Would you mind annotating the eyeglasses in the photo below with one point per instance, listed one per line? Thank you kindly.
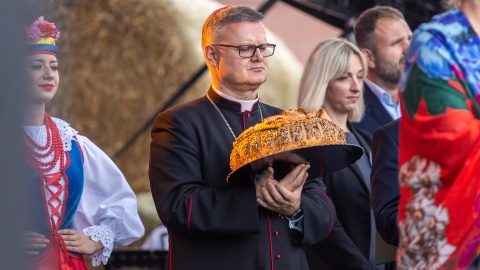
(248, 51)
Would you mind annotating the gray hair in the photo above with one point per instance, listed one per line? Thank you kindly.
(212, 30)
(330, 60)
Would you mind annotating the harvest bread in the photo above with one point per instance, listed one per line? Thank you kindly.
(294, 130)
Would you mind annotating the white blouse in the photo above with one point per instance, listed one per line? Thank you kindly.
(107, 210)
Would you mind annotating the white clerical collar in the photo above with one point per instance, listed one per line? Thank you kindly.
(246, 105)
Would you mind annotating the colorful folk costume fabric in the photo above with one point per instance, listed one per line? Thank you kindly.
(73, 184)
(439, 219)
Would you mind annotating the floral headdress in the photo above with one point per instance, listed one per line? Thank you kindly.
(41, 36)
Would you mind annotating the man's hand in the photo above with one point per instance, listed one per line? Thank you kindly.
(78, 242)
(283, 196)
(262, 181)
(296, 178)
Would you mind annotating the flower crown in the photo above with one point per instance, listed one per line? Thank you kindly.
(41, 36)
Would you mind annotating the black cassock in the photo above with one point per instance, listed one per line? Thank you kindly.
(212, 224)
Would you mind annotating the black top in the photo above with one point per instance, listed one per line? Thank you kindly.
(348, 247)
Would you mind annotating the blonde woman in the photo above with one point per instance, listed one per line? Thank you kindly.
(333, 80)
(330, 67)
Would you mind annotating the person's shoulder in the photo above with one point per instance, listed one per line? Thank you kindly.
(369, 122)
(66, 131)
(184, 116)
(443, 29)
(450, 18)
(369, 98)
(392, 126)
(187, 107)
(185, 110)
(68, 134)
(60, 122)
(389, 130)
(362, 132)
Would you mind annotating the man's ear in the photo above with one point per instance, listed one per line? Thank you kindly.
(211, 55)
(370, 58)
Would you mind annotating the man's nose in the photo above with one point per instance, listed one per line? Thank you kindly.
(406, 45)
(257, 55)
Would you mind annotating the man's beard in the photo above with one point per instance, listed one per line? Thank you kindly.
(390, 72)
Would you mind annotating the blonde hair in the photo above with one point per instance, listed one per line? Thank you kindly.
(330, 60)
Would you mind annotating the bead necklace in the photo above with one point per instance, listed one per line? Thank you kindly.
(54, 144)
(52, 182)
(225, 120)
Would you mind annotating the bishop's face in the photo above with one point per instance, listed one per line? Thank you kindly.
(238, 75)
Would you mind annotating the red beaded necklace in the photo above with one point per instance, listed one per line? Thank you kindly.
(54, 144)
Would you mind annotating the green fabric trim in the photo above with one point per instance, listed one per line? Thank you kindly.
(438, 94)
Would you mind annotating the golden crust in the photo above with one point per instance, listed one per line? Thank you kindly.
(290, 130)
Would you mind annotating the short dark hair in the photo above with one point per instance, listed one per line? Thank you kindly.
(213, 26)
(366, 23)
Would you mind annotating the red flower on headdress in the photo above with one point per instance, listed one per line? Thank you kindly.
(47, 28)
(42, 29)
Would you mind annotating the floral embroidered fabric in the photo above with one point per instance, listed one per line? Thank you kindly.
(439, 207)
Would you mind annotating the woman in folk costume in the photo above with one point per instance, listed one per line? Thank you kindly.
(81, 202)
(439, 210)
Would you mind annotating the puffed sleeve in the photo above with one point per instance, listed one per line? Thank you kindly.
(107, 211)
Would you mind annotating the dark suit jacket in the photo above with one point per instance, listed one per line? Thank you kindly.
(375, 114)
(385, 192)
(348, 246)
(213, 224)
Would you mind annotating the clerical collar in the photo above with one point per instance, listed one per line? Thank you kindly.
(245, 105)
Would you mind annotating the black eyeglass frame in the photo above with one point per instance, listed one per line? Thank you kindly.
(250, 46)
